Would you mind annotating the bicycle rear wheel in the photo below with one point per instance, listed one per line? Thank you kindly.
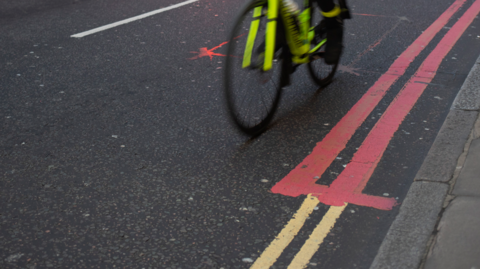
(252, 95)
(320, 72)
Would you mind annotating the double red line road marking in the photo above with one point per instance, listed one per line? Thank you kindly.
(348, 186)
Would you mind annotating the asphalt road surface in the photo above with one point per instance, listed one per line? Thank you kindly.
(116, 150)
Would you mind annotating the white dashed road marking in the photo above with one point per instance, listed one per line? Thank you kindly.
(139, 17)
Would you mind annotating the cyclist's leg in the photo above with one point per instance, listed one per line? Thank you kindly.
(334, 24)
(326, 5)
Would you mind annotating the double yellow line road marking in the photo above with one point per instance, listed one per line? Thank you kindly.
(275, 249)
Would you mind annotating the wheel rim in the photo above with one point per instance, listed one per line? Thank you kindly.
(252, 94)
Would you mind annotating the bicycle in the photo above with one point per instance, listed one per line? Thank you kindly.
(262, 45)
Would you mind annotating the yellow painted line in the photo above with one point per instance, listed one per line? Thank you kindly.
(316, 238)
(275, 249)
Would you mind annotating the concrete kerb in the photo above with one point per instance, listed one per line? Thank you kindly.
(469, 96)
(439, 165)
(408, 239)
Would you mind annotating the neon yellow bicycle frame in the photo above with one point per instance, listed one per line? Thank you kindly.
(298, 34)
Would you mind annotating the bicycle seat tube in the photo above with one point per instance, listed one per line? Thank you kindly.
(296, 32)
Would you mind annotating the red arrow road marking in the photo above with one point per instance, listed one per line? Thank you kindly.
(351, 182)
(204, 52)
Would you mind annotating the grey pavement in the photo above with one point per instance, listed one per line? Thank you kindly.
(438, 225)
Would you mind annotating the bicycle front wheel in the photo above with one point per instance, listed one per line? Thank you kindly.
(252, 94)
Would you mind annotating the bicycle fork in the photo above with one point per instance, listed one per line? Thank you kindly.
(272, 14)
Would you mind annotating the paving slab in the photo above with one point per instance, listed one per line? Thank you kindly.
(457, 244)
(405, 242)
(468, 182)
(442, 158)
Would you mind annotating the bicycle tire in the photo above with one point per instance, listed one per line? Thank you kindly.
(321, 73)
(252, 95)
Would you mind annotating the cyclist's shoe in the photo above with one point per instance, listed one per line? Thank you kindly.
(334, 46)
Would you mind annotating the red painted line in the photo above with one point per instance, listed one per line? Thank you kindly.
(302, 179)
(351, 182)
